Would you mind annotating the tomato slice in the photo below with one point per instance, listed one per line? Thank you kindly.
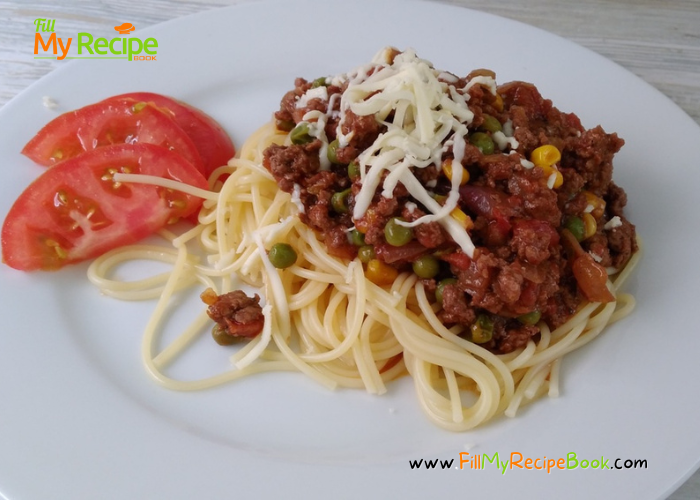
(75, 211)
(117, 121)
(212, 142)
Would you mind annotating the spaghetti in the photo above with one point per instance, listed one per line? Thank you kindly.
(324, 318)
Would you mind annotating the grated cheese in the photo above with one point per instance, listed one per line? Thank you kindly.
(313, 93)
(296, 198)
(503, 141)
(613, 223)
(526, 163)
(49, 102)
(428, 110)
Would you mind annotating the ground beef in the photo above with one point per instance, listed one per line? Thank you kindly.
(455, 309)
(616, 199)
(515, 338)
(574, 204)
(508, 284)
(292, 164)
(430, 234)
(622, 243)
(591, 156)
(287, 109)
(237, 314)
(518, 223)
(363, 130)
(534, 240)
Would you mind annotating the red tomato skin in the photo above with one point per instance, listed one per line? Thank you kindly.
(109, 122)
(38, 220)
(213, 143)
(458, 259)
(592, 279)
(400, 255)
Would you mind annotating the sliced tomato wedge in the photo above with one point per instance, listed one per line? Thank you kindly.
(76, 211)
(117, 121)
(212, 141)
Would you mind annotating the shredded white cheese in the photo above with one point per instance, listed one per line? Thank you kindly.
(487, 81)
(49, 102)
(526, 163)
(507, 128)
(613, 223)
(316, 122)
(426, 113)
(503, 141)
(296, 198)
(448, 77)
(313, 93)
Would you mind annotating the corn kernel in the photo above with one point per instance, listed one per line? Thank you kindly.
(464, 220)
(558, 177)
(380, 273)
(370, 218)
(589, 224)
(596, 204)
(447, 170)
(545, 155)
(498, 103)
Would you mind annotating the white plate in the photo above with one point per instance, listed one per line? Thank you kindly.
(79, 418)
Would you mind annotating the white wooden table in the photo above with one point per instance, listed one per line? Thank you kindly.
(657, 40)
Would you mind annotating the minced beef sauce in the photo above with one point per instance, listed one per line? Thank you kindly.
(523, 258)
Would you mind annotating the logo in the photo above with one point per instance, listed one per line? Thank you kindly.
(89, 47)
(125, 28)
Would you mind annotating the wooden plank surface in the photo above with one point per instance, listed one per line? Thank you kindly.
(657, 40)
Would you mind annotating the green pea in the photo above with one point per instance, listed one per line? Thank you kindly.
(441, 287)
(353, 170)
(282, 255)
(339, 201)
(491, 124)
(482, 329)
(426, 266)
(222, 337)
(576, 226)
(319, 82)
(356, 238)
(483, 142)
(332, 149)
(300, 134)
(366, 253)
(531, 318)
(397, 235)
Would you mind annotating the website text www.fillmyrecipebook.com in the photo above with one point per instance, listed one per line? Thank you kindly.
(516, 460)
